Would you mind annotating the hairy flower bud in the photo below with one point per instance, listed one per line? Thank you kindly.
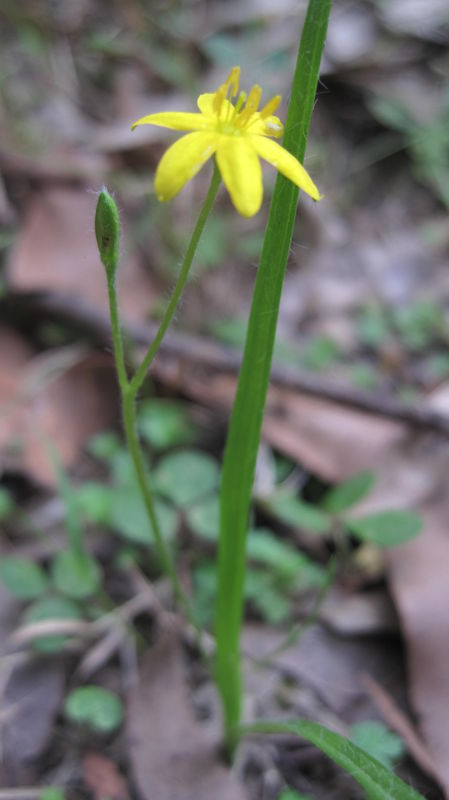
(107, 231)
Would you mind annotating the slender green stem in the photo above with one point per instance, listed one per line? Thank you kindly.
(116, 332)
(129, 422)
(246, 419)
(129, 388)
(132, 439)
(140, 375)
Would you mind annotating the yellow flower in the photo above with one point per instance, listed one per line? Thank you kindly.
(237, 134)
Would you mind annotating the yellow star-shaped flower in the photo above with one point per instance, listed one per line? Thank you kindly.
(237, 134)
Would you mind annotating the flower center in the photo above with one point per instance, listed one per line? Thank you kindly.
(232, 119)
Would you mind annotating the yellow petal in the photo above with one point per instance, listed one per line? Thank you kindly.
(270, 126)
(205, 104)
(176, 120)
(181, 162)
(285, 163)
(241, 172)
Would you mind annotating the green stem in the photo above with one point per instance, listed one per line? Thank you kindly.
(129, 422)
(140, 375)
(129, 389)
(246, 419)
(132, 439)
(116, 332)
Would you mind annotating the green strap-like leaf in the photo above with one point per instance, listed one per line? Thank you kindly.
(246, 421)
(378, 781)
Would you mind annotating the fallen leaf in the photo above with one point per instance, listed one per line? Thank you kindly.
(359, 613)
(418, 580)
(30, 704)
(63, 396)
(316, 433)
(332, 666)
(399, 722)
(103, 778)
(56, 251)
(172, 756)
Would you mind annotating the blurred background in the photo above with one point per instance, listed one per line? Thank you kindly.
(361, 375)
(365, 291)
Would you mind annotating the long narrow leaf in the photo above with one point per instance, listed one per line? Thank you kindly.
(378, 781)
(246, 420)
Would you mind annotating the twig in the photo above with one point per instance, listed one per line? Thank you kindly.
(212, 355)
(23, 793)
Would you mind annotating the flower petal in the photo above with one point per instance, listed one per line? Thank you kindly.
(182, 161)
(205, 104)
(176, 120)
(241, 172)
(280, 158)
(270, 126)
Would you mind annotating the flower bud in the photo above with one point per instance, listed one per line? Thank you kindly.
(107, 231)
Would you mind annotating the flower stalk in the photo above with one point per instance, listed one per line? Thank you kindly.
(107, 230)
(246, 419)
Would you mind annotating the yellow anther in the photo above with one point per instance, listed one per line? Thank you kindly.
(252, 103)
(271, 106)
(241, 99)
(233, 81)
(219, 97)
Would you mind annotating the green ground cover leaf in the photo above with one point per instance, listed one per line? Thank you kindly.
(186, 476)
(76, 575)
(51, 608)
(23, 578)
(348, 493)
(386, 528)
(296, 512)
(95, 707)
(378, 741)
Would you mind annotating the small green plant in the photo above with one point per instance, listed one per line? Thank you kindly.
(378, 741)
(231, 128)
(95, 707)
(290, 794)
(52, 793)
(65, 590)
(334, 515)
(427, 142)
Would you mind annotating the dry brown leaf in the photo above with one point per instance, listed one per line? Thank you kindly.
(63, 396)
(56, 251)
(30, 704)
(399, 722)
(103, 778)
(316, 433)
(172, 756)
(313, 432)
(418, 575)
(359, 613)
(332, 665)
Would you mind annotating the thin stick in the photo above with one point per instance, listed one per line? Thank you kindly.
(207, 354)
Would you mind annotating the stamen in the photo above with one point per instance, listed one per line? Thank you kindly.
(241, 99)
(228, 89)
(233, 81)
(271, 106)
(251, 106)
(219, 97)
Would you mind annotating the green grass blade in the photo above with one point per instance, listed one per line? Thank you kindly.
(378, 781)
(246, 420)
